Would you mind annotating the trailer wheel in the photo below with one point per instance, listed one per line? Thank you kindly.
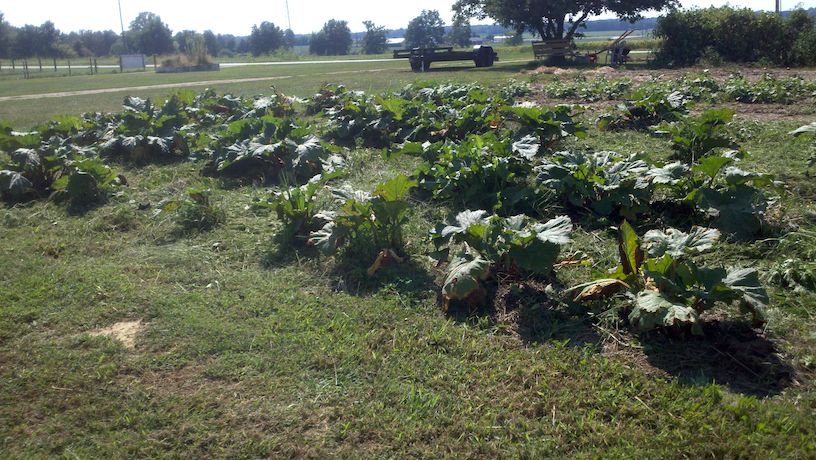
(488, 60)
(484, 57)
(417, 66)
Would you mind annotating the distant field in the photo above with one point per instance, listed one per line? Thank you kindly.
(80, 67)
(300, 79)
(295, 79)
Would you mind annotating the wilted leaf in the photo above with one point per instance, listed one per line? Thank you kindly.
(806, 129)
(600, 289)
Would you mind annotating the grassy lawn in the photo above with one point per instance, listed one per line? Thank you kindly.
(246, 348)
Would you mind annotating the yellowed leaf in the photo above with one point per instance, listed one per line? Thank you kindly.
(600, 290)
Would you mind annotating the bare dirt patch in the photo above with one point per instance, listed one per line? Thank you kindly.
(750, 73)
(125, 332)
(550, 70)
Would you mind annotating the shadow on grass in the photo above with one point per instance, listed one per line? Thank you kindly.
(409, 276)
(349, 268)
(731, 354)
(465, 66)
(525, 309)
(285, 248)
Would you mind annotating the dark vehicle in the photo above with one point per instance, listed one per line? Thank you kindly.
(421, 58)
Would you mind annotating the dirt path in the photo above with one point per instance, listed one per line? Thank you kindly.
(88, 92)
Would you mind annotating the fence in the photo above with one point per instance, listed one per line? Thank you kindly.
(38, 67)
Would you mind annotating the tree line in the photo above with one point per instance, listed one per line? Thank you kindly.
(148, 34)
(548, 19)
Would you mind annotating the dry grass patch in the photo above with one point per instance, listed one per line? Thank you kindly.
(124, 332)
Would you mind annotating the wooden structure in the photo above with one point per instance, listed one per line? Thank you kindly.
(421, 58)
(557, 48)
(618, 58)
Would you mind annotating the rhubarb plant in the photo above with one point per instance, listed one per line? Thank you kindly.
(666, 288)
(483, 245)
(606, 183)
(373, 220)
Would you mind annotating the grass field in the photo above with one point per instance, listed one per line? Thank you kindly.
(296, 79)
(244, 349)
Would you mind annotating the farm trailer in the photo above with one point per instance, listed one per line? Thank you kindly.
(421, 58)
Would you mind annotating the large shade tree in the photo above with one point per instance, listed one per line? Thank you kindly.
(374, 41)
(425, 31)
(333, 40)
(149, 35)
(460, 32)
(554, 19)
(265, 38)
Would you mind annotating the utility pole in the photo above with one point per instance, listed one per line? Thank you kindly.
(289, 18)
(122, 25)
(778, 6)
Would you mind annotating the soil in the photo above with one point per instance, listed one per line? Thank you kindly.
(751, 73)
(124, 332)
(802, 111)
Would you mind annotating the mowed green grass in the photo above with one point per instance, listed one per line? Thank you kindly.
(249, 349)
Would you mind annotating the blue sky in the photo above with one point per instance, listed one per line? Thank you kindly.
(238, 16)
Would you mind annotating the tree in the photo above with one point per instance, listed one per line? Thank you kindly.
(227, 43)
(333, 40)
(183, 38)
(87, 43)
(149, 35)
(289, 39)
(460, 32)
(265, 39)
(211, 42)
(425, 31)
(40, 41)
(554, 19)
(6, 37)
(374, 41)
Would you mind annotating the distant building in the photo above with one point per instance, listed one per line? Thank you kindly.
(476, 41)
(395, 42)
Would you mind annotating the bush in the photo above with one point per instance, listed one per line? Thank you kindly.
(804, 50)
(736, 35)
